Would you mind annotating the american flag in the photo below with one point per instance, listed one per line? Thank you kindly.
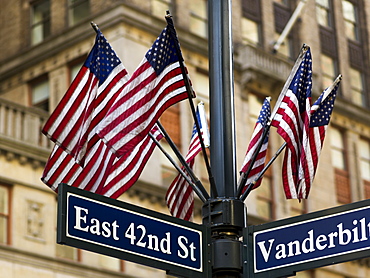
(157, 84)
(292, 120)
(321, 112)
(258, 131)
(72, 124)
(103, 172)
(125, 172)
(180, 196)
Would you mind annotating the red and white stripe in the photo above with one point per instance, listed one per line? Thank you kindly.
(293, 127)
(180, 195)
(140, 105)
(83, 106)
(259, 162)
(125, 172)
(103, 172)
(322, 108)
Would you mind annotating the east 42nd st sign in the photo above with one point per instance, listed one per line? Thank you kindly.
(106, 226)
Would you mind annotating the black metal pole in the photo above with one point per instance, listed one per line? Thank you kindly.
(223, 159)
(224, 213)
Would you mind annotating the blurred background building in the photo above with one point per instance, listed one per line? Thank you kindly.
(44, 43)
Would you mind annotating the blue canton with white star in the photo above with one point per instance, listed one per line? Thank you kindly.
(195, 132)
(321, 116)
(163, 52)
(264, 116)
(265, 113)
(301, 84)
(102, 59)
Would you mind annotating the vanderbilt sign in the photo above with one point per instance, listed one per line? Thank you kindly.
(312, 240)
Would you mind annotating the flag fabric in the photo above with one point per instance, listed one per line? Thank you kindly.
(156, 84)
(80, 158)
(103, 172)
(258, 131)
(292, 120)
(87, 100)
(321, 112)
(124, 173)
(180, 196)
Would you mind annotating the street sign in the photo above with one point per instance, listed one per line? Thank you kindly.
(96, 223)
(309, 241)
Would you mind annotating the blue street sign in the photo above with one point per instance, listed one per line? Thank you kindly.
(96, 223)
(310, 241)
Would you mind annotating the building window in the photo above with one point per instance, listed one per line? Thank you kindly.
(40, 94)
(40, 21)
(159, 7)
(251, 22)
(328, 40)
(4, 214)
(200, 84)
(365, 159)
(78, 10)
(170, 120)
(285, 48)
(357, 87)
(198, 17)
(328, 69)
(282, 14)
(338, 158)
(364, 151)
(282, 2)
(323, 13)
(350, 20)
(250, 31)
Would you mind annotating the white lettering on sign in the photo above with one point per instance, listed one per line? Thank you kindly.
(184, 252)
(94, 226)
(136, 234)
(342, 236)
(265, 253)
(139, 237)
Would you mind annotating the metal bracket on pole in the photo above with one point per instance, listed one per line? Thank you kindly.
(227, 218)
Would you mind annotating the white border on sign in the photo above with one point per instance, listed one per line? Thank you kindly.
(200, 269)
(300, 223)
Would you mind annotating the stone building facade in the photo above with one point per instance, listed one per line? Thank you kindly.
(44, 42)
